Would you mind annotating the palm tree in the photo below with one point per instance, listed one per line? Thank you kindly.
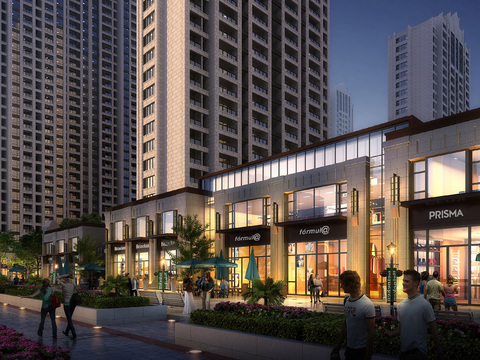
(270, 292)
(119, 284)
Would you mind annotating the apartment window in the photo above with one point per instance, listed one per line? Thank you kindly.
(149, 91)
(149, 127)
(147, 39)
(476, 170)
(401, 56)
(401, 84)
(149, 182)
(149, 109)
(401, 102)
(148, 146)
(141, 226)
(149, 19)
(148, 164)
(401, 93)
(147, 4)
(402, 65)
(149, 73)
(401, 38)
(401, 74)
(401, 111)
(401, 47)
(149, 55)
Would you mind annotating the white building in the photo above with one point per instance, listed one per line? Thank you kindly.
(341, 111)
(429, 70)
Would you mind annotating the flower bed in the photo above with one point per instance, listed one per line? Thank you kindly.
(13, 345)
(459, 340)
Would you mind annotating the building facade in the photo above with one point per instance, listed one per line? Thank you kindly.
(341, 111)
(429, 70)
(222, 83)
(333, 206)
(68, 109)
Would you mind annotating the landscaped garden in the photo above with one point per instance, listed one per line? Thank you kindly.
(459, 340)
(13, 345)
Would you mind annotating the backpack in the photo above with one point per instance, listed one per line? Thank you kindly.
(201, 283)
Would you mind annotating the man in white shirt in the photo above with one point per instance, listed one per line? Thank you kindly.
(359, 324)
(415, 315)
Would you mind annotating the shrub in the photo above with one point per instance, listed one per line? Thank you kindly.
(3, 279)
(34, 280)
(289, 312)
(270, 291)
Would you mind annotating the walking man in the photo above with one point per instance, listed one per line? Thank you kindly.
(359, 324)
(434, 288)
(415, 316)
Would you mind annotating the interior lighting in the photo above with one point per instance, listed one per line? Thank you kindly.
(195, 351)
(57, 316)
(171, 320)
(5, 304)
(97, 327)
(22, 308)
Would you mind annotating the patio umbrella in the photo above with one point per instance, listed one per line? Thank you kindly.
(222, 271)
(66, 266)
(252, 268)
(60, 267)
(16, 269)
(91, 267)
(189, 264)
(216, 262)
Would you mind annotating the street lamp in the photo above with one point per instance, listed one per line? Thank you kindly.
(163, 275)
(391, 249)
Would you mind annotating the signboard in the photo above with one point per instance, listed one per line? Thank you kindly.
(391, 285)
(248, 238)
(162, 279)
(458, 213)
(322, 231)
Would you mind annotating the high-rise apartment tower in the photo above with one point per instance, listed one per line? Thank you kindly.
(225, 82)
(68, 109)
(429, 70)
(341, 111)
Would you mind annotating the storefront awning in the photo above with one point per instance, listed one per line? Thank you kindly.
(313, 221)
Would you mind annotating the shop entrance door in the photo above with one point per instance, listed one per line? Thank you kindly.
(452, 261)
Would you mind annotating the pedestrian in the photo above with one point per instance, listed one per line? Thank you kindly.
(207, 289)
(223, 288)
(415, 317)
(198, 286)
(129, 284)
(188, 289)
(359, 323)
(434, 288)
(15, 280)
(423, 281)
(450, 289)
(10, 280)
(317, 287)
(68, 289)
(101, 281)
(310, 287)
(46, 291)
(134, 286)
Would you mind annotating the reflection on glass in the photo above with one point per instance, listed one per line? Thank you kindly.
(340, 150)
(446, 174)
(119, 230)
(291, 163)
(330, 154)
(310, 160)
(141, 226)
(351, 149)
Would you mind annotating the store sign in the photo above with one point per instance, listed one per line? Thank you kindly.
(141, 246)
(258, 237)
(458, 214)
(119, 248)
(332, 230)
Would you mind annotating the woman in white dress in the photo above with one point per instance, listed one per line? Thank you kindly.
(188, 289)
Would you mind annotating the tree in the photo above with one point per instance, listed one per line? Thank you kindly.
(7, 247)
(191, 242)
(29, 250)
(118, 283)
(87, 252)
(270, 292)
(92, 218)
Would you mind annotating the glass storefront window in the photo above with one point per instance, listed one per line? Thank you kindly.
(141, 263)
(168, 220)
(119, 265)
(310, 203)
(141, 226)
(446, 174)
(240, 256)
(249, 213)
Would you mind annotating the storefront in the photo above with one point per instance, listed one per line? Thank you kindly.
(446, 238)
(239, 245)
(316, 247)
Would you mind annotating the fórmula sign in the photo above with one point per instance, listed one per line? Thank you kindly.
(444, 214)
(324, 230)
(254, 237)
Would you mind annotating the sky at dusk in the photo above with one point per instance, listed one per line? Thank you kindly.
(358, 47)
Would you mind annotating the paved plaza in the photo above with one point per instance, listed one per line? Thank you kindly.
(144, 340)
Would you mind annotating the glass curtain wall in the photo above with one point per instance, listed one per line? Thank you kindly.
(240, 256)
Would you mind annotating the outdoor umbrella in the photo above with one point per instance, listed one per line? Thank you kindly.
(91, 267)
(66, 266)
(60, 267)
(216, 262)
(252, 268)
(189, 264)
(222, 271)
(16, 269)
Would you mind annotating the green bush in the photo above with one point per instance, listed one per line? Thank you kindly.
(97, 302)
(3, 279)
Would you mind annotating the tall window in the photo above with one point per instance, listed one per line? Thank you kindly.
(446, 174)
(316, 202)
(476, 170)
(167, 220)
(141, 226)
(248, 213)
(119, 231)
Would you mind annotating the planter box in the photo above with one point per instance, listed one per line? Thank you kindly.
(240, 345)
(92, 316)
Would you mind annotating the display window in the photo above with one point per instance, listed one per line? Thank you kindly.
(119, 265)
(327, 258)
(248, 213)
(141, 263)
(451, 251)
